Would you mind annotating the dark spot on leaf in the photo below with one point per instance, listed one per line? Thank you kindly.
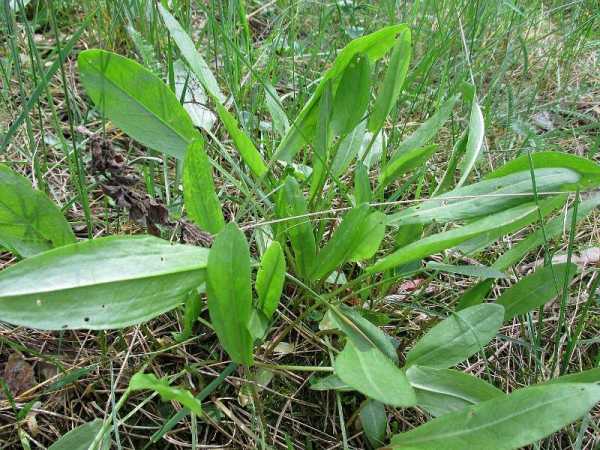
(87, 319)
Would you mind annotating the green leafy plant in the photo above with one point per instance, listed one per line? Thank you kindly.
(115, 282)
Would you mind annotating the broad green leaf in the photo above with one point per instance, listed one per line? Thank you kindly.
(137, 101)
(457, 337)
(320, 159)
(292, 203)
(243, 143)
(392, 81)
(504, 423)
(362, 332)
(190, 55)
(352, 95)
(551, 229)
(229, 292)
(29, 222)
(330, 382)
(422, 135)
(483, 272)
(201, 201)
(485, 197)
(588, 170)
(546, 205)
(270, 278)
(348, 149)
(374, 421)
(437, 242)
(442, 391)
(585, 376)
(512, 256)
(357, 237)
(535, 289)
(373, 45)
(141, 381)
(373, 374)
(406, 161)
(104, 283)
(474, 141)
(81, 437)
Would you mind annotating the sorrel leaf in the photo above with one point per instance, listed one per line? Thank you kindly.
(504, 423)
(137, 101)
(229, 291)
(457, 337)
(29, 222)
(201, 201)
(104, 283)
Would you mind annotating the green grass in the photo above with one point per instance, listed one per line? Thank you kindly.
(534, 66)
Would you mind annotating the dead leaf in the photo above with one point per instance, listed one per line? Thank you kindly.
(18, 374)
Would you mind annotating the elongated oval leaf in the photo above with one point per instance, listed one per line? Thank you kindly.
(103, 283)
(352, 95)
(357, 237)
(361, 332)
(585, 376)
(29, 222)
(229, 291)
(485, 197)
(374, 45)
(535, 289)
(137, 101)
(190, 55)
(442, 391)
(370, 372)
(292, 203)
(199, 194)
(458, 337)
(80, 438)
(523, 214)
(588, 170)
(141, 381)
(474, 141)
(270, 278)
(374, 421)
(392, 82)
(504, 423)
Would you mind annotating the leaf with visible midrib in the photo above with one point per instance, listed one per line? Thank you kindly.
(372, 373)
(137, 101)
(504, 423)
(474, 141)
(29, 222)
(104, 283)
(199, 195)
(229, 292)
(458, 337)
(442, 391)
(535, 289)
(270, 279)
(357, 237)
(392, 82)
(81, 437)
(523, 214)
